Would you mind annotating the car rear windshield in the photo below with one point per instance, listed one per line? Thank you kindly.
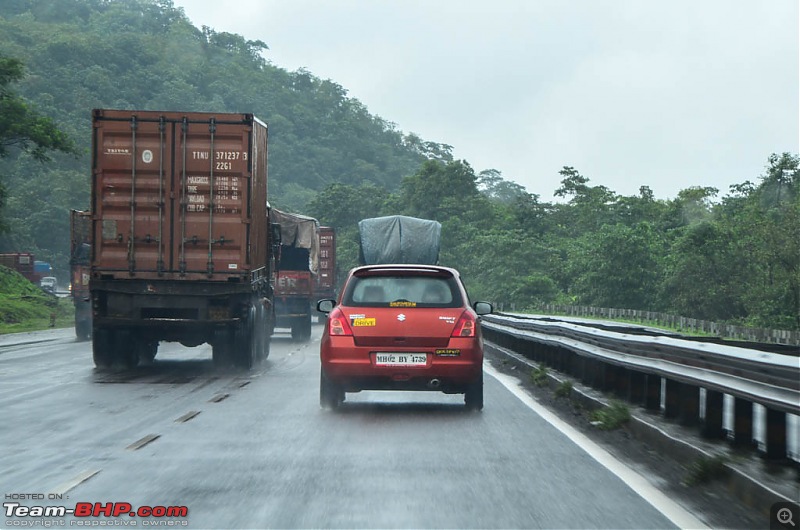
(403, 291)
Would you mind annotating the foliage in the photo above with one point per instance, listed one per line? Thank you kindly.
(564, 389)
(539, 375)
(25, 307)
(705, 469)
(613, 416)
(704, 254)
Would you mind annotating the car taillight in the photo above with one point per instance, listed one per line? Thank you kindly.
(338, 324)
(465, 327)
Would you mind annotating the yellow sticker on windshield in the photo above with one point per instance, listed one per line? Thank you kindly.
(363, 322)
(403, 303)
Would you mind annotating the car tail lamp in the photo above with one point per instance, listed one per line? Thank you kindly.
(465, 327)
(338, 324)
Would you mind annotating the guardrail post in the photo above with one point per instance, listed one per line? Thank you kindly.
(712, 424)
(742, 422)
(652, 399)
(776, 435)
(672, 399)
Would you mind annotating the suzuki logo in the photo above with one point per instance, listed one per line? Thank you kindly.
(401, 317)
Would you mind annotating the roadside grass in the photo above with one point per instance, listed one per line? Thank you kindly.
(614, 416)
(25, 307)
(564, 389)
(539, 375)
(704, 470)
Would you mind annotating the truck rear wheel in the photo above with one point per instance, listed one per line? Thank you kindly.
(301, 328)
(146, 350)
(83, 329)
(245, 347)
(221, 348)
(102, 348)
(124, 349)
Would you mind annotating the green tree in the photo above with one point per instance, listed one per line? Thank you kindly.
(22, 128)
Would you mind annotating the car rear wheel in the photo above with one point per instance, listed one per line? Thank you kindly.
(473, 397)
(331, 395)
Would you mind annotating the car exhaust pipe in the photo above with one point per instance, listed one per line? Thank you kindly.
(434, 383)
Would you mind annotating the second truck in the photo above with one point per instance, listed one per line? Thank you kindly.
(298, 272)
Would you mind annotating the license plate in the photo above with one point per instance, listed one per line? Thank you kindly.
(401, 359)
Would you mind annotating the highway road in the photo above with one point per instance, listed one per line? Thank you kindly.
(254, 450)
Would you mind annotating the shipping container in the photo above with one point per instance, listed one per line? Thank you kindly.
(326, 279)
(23, 263)
(181, 239)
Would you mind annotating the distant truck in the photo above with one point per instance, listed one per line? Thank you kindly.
(325, 286)
(298, 270)
(182, 246)
(80, 271)
(23, 263)
(399, 239)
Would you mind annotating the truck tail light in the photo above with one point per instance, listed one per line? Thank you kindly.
(338, 324)
(465, 327)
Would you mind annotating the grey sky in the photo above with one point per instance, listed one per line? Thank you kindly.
(668, 93)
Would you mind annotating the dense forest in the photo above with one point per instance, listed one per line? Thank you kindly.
(727, 255)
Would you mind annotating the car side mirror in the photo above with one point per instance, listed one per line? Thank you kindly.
(326, 305)
(483, 308)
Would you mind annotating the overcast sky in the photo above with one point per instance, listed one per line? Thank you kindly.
(664, 93)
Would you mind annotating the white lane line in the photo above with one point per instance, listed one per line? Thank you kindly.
(80, 479)
(669, 508)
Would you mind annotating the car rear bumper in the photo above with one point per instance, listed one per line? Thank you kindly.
(354, 368)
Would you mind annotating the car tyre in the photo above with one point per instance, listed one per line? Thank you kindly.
(473, 397)
(331, 395)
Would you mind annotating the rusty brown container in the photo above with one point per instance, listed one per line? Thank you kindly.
(179, 196)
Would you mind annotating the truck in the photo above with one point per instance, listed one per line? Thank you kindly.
(182, 248)
(325, 286)
(399, 239)
(23, 263)
(80, 224)
(298, 270)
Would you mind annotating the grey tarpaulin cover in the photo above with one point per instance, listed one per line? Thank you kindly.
(399, 239)
(299, 231)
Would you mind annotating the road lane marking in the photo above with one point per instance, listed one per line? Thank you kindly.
(188, 416)
(80, 479)
(217, 398)
(138, 444)
(669, 508)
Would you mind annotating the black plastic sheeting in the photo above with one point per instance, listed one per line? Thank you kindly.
(399, 239)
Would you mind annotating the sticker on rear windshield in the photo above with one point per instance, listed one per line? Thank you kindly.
(448, 352)
(402, 303)
(363, 322)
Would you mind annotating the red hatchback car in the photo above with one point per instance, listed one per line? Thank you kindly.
(402, 327)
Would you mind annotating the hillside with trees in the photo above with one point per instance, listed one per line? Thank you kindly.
(728, 255)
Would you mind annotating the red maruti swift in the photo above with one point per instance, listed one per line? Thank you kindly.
(402, 327)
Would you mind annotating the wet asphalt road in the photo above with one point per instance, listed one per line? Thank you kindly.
(254, 450)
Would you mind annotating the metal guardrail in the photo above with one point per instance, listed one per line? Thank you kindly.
(666, 373)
